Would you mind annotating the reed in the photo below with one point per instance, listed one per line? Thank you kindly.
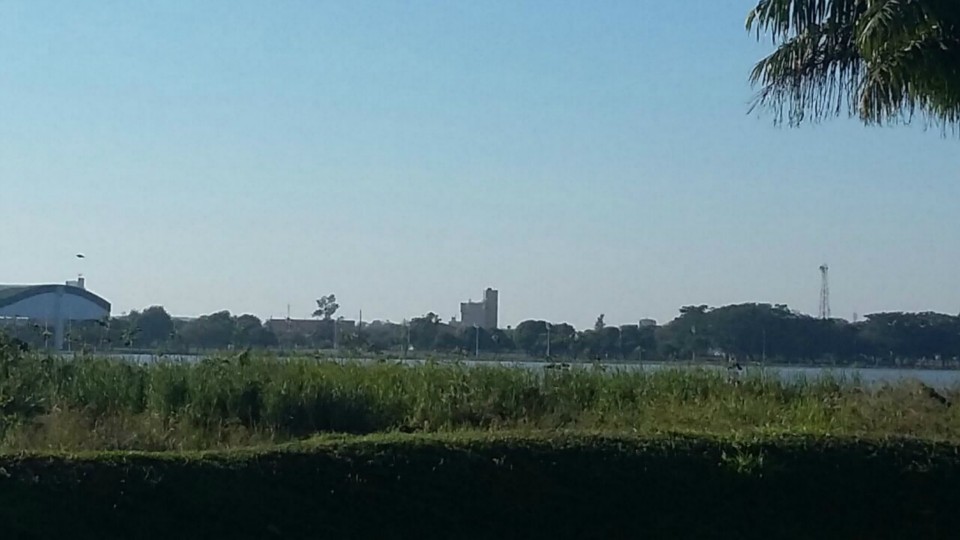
(89, 403)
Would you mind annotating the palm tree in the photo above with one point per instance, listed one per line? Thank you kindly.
(885, 61)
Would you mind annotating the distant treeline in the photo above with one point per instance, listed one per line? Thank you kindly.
(742, 332)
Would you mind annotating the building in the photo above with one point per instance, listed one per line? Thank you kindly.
(52, 305)
(482, 314)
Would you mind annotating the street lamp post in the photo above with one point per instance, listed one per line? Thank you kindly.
(548, 340)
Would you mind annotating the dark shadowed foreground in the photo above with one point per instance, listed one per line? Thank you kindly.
(485, 486)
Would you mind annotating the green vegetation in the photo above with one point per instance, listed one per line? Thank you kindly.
(882, 60)
(468, 486)
(262, 447)
(90, 403)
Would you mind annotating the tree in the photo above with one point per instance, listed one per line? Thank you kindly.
(599, 325)
(470, 337)
(607, 342)
(326, 307)
(352, 340)
(501, 341)
(249, 331)
(630, 339)
(686, 335)
(155, 326)
(116, 330)
(882, 60)
(383, 336)
(424, 331)
(530, 337)
(908, 337)
(214, 331)
(562, 339)
(449, 341)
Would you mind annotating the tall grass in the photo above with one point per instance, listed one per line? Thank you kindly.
(98, 403)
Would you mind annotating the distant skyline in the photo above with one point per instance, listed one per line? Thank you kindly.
(581, 158)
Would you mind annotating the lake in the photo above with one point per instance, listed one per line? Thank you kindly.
(869, 376)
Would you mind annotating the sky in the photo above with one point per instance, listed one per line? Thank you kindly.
(581, 157)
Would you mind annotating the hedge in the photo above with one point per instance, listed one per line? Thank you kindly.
(494, 486)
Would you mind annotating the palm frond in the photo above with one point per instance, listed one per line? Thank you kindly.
(885, 61)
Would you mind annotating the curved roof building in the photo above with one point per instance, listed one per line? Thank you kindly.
(53, 304)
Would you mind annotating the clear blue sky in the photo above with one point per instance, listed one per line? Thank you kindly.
(582, 157)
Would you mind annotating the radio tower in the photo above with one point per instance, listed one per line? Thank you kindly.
(824, 292)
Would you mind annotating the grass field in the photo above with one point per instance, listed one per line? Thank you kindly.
(100, 404)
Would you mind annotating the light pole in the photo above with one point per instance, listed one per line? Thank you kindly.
(548, 340)
(476, 350)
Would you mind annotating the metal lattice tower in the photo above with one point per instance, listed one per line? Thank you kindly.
(824, 291)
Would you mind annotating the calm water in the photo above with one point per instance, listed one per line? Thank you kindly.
(868, 376)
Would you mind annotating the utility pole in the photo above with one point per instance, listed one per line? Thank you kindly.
(476, 349)
(548, 340)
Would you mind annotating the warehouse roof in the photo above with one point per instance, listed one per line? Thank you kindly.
(11, 294)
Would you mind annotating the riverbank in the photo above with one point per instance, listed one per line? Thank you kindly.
(483, 485)
(518, 359)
